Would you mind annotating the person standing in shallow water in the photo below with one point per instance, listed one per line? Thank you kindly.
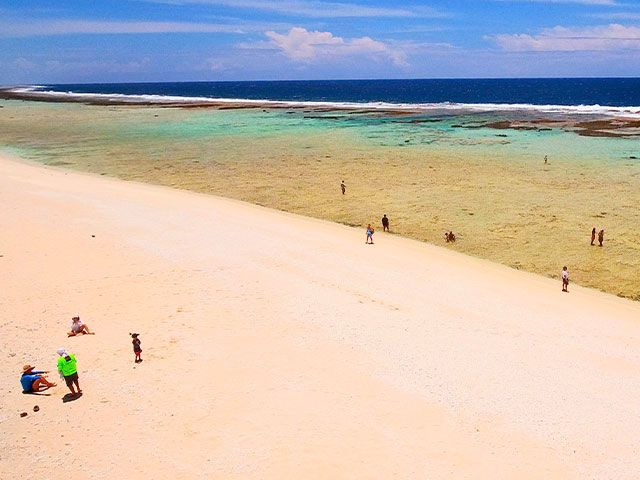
(343, 187)
(593, 235)
(385, 223)
(601, 237)
(565, 279)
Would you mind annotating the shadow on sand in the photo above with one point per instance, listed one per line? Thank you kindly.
(70, 397)
(37, 394)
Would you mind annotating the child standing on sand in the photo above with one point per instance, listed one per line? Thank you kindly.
(565, 279)
(137, 350)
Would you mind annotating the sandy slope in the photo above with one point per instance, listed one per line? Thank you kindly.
(277, 346)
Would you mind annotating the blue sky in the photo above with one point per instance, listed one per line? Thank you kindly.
(77, 41)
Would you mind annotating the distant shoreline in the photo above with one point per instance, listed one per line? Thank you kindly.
(526, 117)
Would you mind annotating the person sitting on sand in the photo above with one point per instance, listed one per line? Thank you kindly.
(370, 231)
(565, 279)
(601, 237)
(452, 237)
(68, 368)
(32, 380)
(593, 235)
(77, 328)
(385, 223)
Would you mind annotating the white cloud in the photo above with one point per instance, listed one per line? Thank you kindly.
(307, 46)
(66, 27)
(566, 39)
(315, 8)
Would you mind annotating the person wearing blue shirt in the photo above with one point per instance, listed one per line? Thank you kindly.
(32, 380)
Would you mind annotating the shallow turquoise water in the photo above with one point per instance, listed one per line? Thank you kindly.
(108, 126)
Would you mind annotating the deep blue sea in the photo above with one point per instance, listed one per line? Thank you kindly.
(615, 92)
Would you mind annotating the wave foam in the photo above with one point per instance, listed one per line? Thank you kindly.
(118, 98)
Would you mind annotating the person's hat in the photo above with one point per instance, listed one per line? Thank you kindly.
(62, 352)
(27, 368)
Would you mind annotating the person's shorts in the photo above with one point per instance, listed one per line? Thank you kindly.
(71, 378)
(565, 281)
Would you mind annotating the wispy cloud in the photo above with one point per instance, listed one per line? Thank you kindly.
(67, 27)
(567, 39)
(302, 45)
(315, 8)
(604, 3)
(617, 16)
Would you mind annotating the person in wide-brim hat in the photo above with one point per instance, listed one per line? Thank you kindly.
(33, 381)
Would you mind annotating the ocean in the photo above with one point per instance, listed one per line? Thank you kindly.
(614, 92)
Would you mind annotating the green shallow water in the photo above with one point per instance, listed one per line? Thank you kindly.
(429, 175)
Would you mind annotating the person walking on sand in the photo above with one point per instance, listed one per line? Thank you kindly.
(601, 237)
(78, 328)
(546, 160)
(137, 350)
(385, 223)
(31, 380)
(565, 279)
(369, 234)
(68, 368)
(593, 235)
(343, 187)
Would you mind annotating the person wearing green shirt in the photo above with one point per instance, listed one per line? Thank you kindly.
(68, 368)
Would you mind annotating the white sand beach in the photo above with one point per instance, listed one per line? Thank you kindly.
(282, 347)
